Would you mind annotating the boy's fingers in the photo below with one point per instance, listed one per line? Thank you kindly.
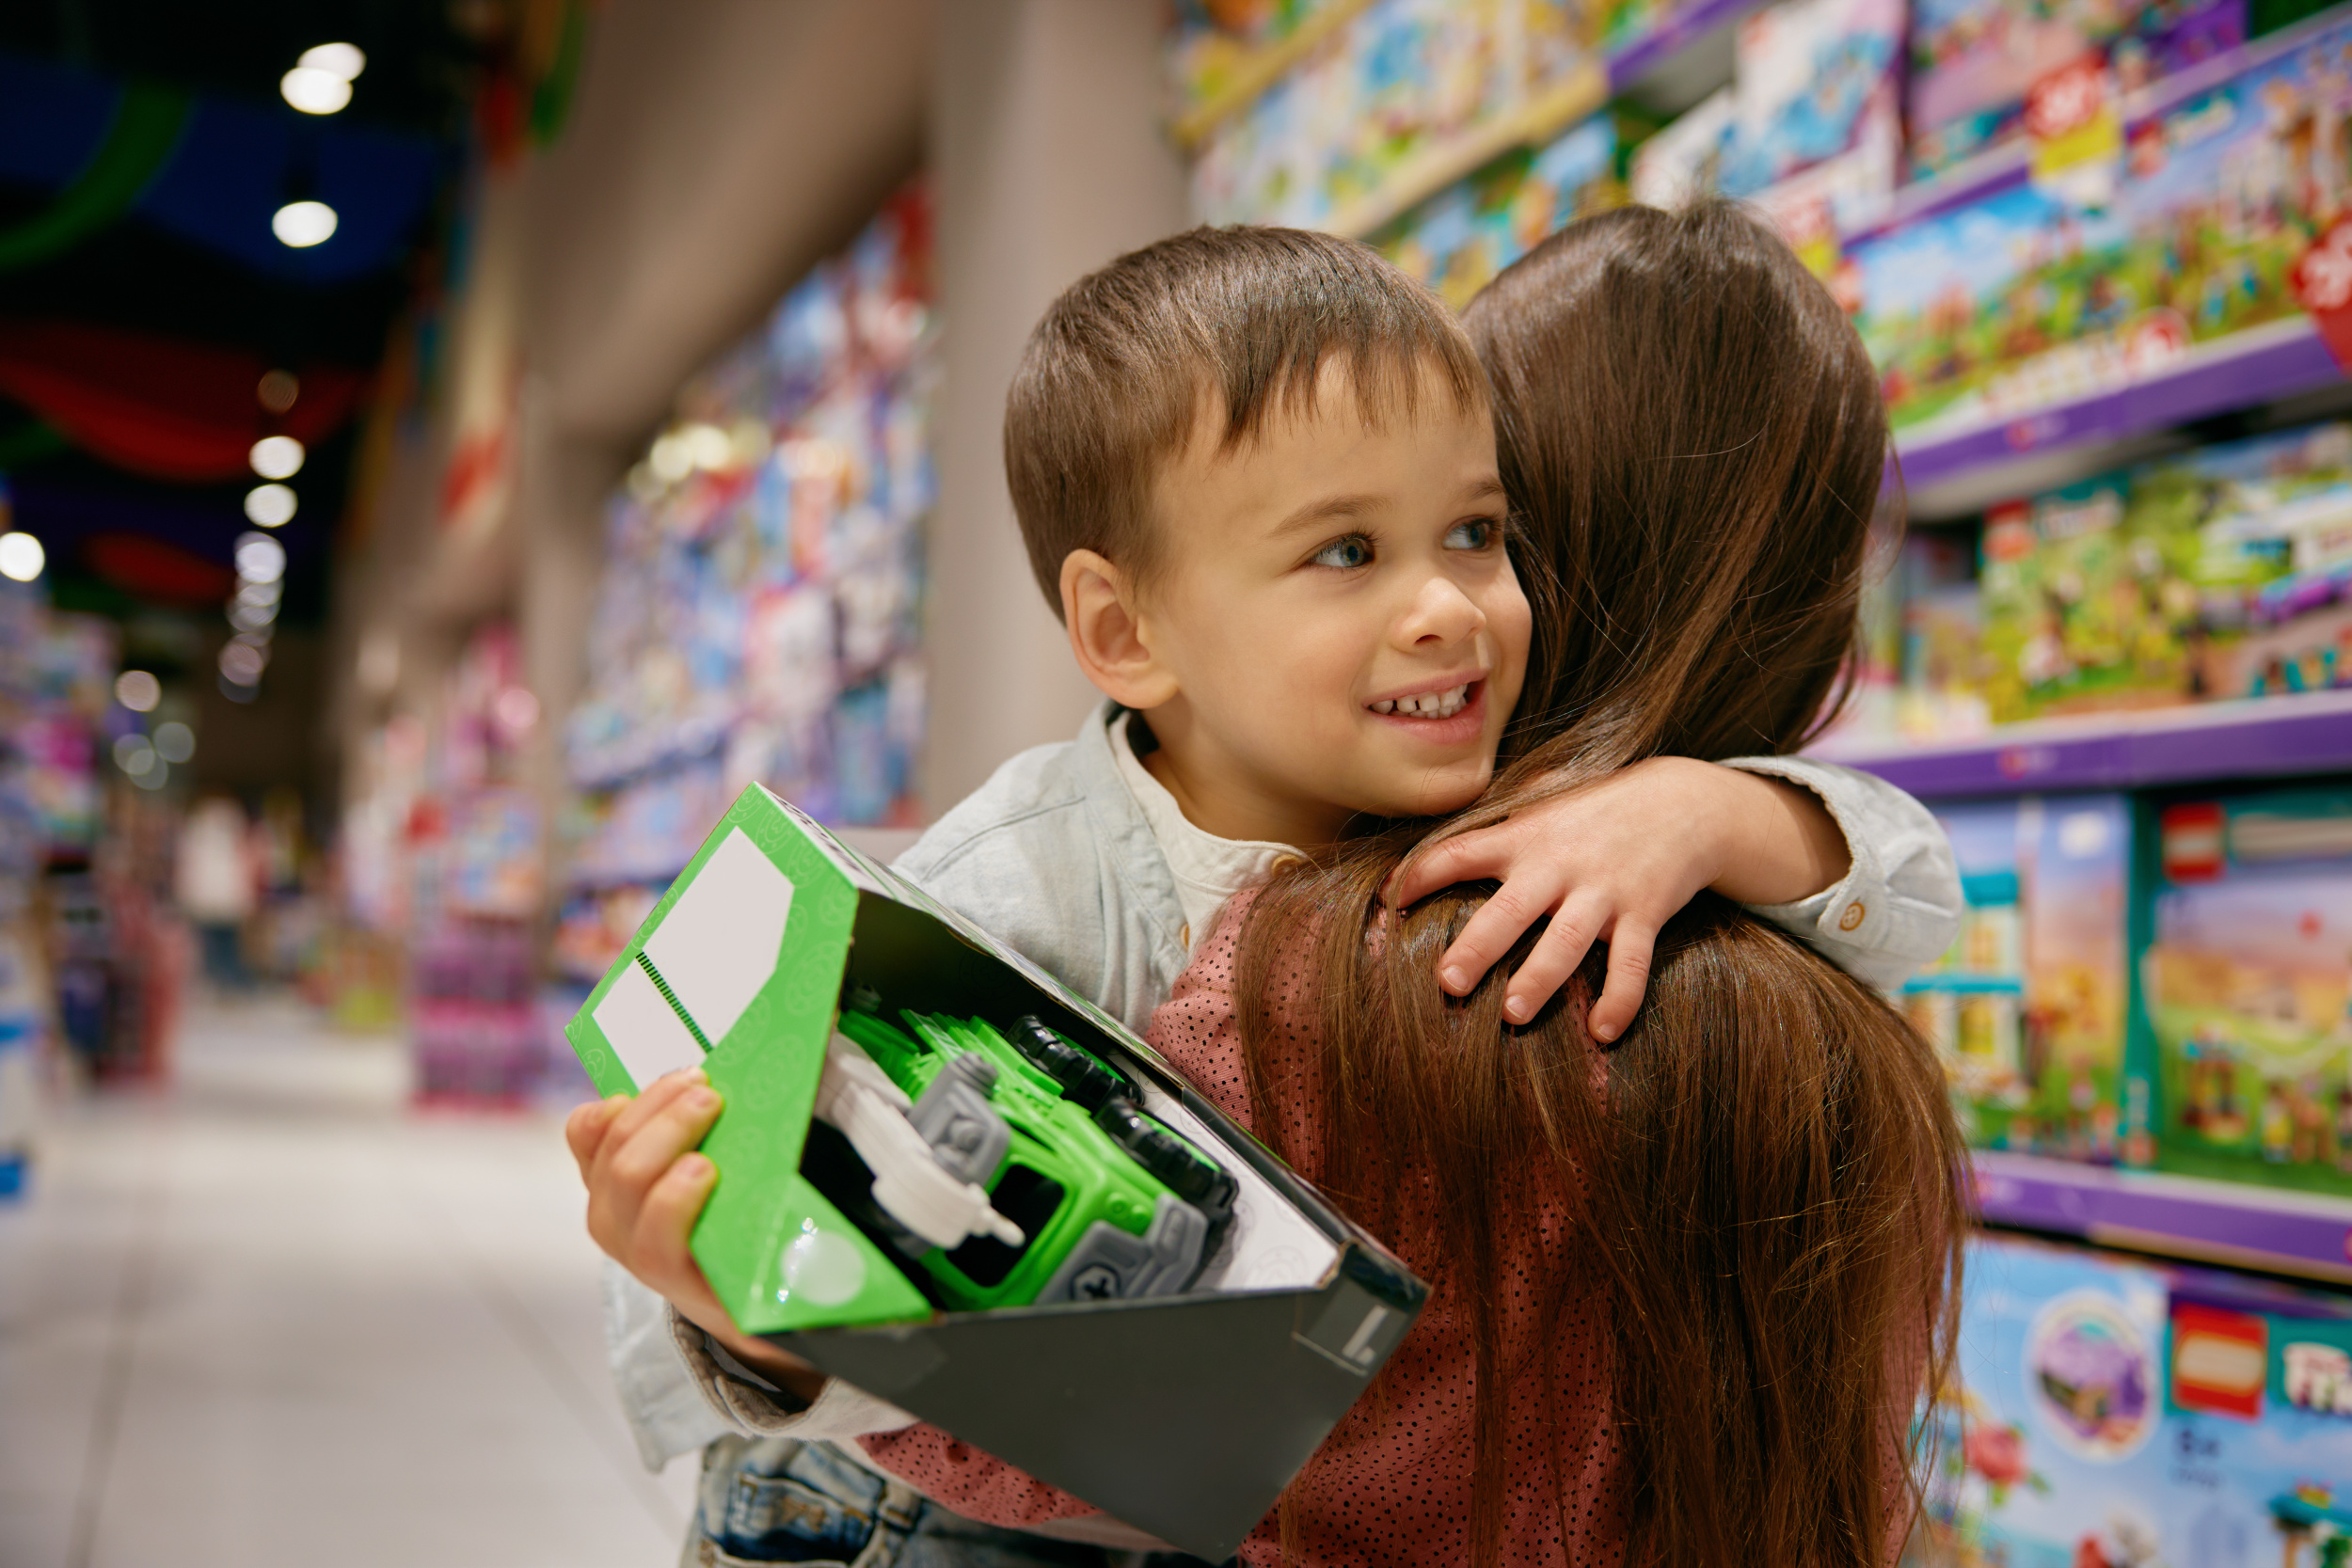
(648, 1154)
(667, 1219)
(1553, 959)
(651, 1101)
(1488, 934)
(1463, 859)
(1630, 949)
(585, 1128)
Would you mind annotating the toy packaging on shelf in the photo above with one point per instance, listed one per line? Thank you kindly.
(1216, 46)
(759, 614)
(1399, 82)
(2224, 572)
(2021, 297)
(968, 1191)
(2111, 1412)
(1457, 241)
(1974, 62)
(2027, 1008)
(2247, 985)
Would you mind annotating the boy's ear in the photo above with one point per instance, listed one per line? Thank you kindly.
(1109, 634)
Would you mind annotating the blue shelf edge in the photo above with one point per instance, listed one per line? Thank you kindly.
(2182, 1216)
(2209, 742)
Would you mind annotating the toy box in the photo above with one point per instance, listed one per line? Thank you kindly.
(1973, 61)
(2222, 572)
(2112, 1413)
(2028, 1007)
(968, 1191)
(1808, 76)
(2258, 536)
(1457, 241)
(2247, 986)
(2019, 298)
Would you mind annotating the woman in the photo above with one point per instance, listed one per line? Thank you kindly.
(1688, 1292)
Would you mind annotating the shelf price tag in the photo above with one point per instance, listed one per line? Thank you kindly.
(2077, 133)
(2323, 285)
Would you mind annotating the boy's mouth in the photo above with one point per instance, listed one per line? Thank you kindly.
(1428, 705)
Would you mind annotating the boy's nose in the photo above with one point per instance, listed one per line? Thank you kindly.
(1440, 613)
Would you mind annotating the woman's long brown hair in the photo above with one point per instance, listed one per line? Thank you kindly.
(1765, 1173)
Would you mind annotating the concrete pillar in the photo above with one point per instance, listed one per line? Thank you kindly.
(1048, 161)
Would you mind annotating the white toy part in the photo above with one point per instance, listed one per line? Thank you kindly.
(858, 1098)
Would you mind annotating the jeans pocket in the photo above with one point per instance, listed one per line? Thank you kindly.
(778, 1500)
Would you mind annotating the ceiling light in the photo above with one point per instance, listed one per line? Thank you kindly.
(707, 446)
(314, 91)
(277, 457)
(269, 505)
(259, 557)
(251, 617)
(276, 391)
(258, 595)
(138, 691)
(21, 557)
(155, 776)
(336, 59)
(303, 224)
(174, 741)
(238, 691)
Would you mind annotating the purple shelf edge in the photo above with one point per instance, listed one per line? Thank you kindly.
(2236, 744)
(1687, 23)
(2298, 364)
(2088, 1201)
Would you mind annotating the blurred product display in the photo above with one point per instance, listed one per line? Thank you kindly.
(759, 616)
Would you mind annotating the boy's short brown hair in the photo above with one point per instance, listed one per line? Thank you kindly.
(1236, 319)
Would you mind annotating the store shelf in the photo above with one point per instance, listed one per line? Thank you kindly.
(1262, 70)
(2251, 738)
(2260, 365)
(2179, 1216)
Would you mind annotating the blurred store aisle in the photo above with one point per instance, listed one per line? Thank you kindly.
(274, 1318)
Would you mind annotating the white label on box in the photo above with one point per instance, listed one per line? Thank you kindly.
(719, 941)
(645, 1034)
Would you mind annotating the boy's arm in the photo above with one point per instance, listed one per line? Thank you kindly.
(1847, 862)
(1898, 904)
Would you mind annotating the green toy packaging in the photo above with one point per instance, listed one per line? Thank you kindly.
(950, 1181)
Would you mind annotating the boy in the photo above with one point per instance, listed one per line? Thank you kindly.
(1255, 471)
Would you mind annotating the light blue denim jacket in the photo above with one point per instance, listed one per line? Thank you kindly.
(1053, 855)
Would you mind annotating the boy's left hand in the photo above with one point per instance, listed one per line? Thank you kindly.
(1613, 863)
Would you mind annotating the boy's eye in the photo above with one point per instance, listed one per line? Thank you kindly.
(1348, 553)
(1476, 535)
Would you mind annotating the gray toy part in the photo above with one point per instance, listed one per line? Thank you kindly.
(1111, 1264)
(967, 1137)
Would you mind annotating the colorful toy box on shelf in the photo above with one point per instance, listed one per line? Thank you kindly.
(1397, 85)
(2224, 572)
(2112, 1413)
(1458, 240)
(1974, 62)
(1809, 131)
(2028, 294)
(2247, 985)
(758, 618)
(474, 852)
(2028, 1007)
(952, 1182)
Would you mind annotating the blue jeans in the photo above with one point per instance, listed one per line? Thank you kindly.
(776, 1500)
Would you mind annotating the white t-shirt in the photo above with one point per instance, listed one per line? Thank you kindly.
(1207, 869)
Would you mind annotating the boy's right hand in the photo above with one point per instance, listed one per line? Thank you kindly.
(646, 1186)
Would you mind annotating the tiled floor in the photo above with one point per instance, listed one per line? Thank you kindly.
(273, 1317)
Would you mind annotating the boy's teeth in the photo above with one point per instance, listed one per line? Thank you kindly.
(1432, 705)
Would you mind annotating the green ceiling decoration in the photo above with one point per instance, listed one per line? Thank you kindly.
(146, 129)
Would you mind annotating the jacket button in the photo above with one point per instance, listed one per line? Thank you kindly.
(1851, 918)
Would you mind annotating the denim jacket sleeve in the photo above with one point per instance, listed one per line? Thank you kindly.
(1899, 905)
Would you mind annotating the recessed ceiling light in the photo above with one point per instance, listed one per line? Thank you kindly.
(303, 224)
(314, 91)
(336, 59)
(277, 457)
(21, 557)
